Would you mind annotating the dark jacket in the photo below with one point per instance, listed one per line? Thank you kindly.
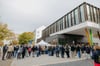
(96, 56)
(78, 48)
(5, 48)
(88, 50)
(73, 48)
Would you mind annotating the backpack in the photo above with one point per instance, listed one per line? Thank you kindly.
(29, 49)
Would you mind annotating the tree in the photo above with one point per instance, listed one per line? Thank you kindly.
(4, 31)
(25, 37)
(14, 42)
(1, 43)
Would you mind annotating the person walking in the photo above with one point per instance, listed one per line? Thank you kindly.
(5, 48)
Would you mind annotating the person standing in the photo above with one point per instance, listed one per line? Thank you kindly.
(33, 51)
(5, 48)
(83, 48)
(10, 51)
(78, 50)
(88, 50)
(23, 51)
(73, 50)
(29, 51)
(19, 55)
(67, 51)
(57, 49)
(62, 51)
(96, 55)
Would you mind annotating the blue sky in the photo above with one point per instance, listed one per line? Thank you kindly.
(27, 15)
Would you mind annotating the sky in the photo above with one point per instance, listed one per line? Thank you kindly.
(27, 15)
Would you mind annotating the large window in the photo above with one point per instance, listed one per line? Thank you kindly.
(82, 13)
(49, 30)
(69, 19)
(65, 22)
(98, 16)
(88, 13)
(58, 25)
(95, 14)
(91, 12)
(54, 27)
(77, 16)
(61, 24)
(73, 18)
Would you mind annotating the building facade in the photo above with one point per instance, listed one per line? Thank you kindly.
(73, 26)
(38, 33)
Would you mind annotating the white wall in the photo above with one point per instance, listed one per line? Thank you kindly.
(38, 33)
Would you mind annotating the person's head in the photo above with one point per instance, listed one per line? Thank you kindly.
(5, 45)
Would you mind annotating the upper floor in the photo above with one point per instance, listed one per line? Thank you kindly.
(83, 13)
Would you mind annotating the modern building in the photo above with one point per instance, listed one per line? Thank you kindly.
(81, 25)
(38, 33)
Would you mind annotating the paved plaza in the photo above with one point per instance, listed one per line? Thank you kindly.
(45, 60)
(75, 63)
(6, 62)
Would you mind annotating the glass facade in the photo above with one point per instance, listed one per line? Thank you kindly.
(73, 18)
(93, 14)
(82, 13)
(67, 21)
(76, 16)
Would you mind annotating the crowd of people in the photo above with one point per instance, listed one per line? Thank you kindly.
(21, 51)
(68, 50)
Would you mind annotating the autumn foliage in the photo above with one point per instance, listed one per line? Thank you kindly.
(25, 37)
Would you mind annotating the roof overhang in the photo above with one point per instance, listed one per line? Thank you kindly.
(80, 29)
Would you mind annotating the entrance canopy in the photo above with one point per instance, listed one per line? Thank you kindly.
(42, 43)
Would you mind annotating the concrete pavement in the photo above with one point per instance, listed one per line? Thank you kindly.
(42, 60)
(5, 62)
(75, 63)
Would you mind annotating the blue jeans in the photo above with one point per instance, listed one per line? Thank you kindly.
(79, 54)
